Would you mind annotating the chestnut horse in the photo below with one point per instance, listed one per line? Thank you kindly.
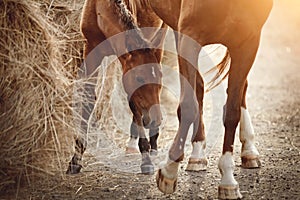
(110, 29)
(236, 24)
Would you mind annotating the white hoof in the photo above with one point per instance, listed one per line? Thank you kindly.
(229, 192)
(195, 164)
(228, 188)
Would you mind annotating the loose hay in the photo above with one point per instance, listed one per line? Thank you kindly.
(40, 52)
(64, 16)
(35, 90)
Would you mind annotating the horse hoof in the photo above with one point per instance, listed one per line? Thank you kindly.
(229, 192)
(250, 162)
(74, 169)
(165, 185)
(153, 152)
(196, 164)
(131, 150)
(147, 169)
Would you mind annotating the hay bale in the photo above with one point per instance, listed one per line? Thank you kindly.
(64, 16)
(35, 93)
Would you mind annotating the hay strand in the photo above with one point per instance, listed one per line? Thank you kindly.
(39, 58)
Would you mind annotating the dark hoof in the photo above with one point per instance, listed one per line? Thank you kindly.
(147, 169)
(73, 169)
(153, 152)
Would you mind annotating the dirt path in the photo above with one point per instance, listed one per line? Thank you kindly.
(274, 103)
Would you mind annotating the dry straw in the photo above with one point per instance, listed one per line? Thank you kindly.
(39, 51)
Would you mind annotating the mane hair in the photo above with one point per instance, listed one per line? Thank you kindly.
(125, 15)
(128, 22)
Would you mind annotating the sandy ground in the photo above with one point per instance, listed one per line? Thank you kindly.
(273, 101)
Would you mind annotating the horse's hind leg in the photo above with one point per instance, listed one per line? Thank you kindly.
(242, 58)
(198, 160)
(249, 153)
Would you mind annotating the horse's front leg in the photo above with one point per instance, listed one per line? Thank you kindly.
(137, 129)
(153, 133)
(187, 113)
(158, 43)
(132, 145)
(198, 160)
(242, 59)
(94, 52)
(81, 142)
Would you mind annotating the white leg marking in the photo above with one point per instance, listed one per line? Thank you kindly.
(247, 135)
(132, 146)
(133, 143)
(199, 150)
(198, 160)
(226, 167)
(229, 187)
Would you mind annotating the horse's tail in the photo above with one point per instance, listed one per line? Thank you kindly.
(221, 73)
